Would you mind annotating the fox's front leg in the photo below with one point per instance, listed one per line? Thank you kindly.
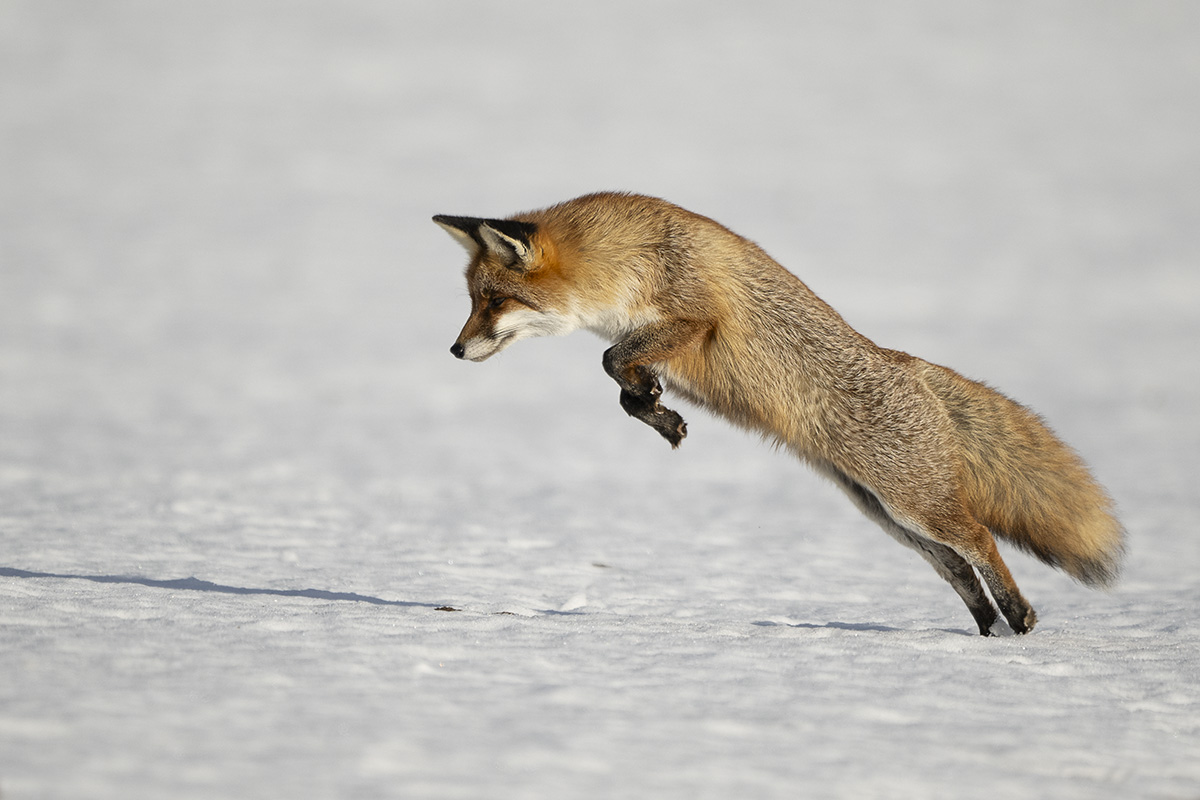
(627, 362)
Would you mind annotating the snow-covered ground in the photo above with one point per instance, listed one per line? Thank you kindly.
(242, 479)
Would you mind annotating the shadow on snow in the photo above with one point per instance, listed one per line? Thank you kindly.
(197, 585)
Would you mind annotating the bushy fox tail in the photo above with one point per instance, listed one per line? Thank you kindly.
(1027, 486)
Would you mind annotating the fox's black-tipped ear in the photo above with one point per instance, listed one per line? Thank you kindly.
(463, 230)
(509, 239)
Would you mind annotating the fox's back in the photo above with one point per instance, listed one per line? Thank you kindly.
(779, 360)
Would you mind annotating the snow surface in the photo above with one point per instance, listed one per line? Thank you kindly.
(241, 479)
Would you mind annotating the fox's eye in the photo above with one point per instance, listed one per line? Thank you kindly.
(496, 302)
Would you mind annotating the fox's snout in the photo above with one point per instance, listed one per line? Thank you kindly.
(479, 347)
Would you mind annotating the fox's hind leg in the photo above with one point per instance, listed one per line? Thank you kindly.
(974, 542)
(958, 573)
(947, 563)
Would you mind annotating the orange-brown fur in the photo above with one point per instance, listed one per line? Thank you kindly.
(939, 461)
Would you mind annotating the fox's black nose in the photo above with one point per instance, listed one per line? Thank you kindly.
(458, 350)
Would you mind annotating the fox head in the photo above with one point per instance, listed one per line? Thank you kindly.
(513, 281)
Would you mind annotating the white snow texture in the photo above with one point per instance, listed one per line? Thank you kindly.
(242, 480)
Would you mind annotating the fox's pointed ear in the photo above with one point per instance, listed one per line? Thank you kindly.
(511, 240)
(464, 230)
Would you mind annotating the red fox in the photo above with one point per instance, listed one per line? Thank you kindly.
(939, 461)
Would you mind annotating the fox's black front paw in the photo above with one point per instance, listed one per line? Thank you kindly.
(637, 405)
(671, 426)
(647, 409)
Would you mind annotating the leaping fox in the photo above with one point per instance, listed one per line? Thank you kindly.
(939, 461)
